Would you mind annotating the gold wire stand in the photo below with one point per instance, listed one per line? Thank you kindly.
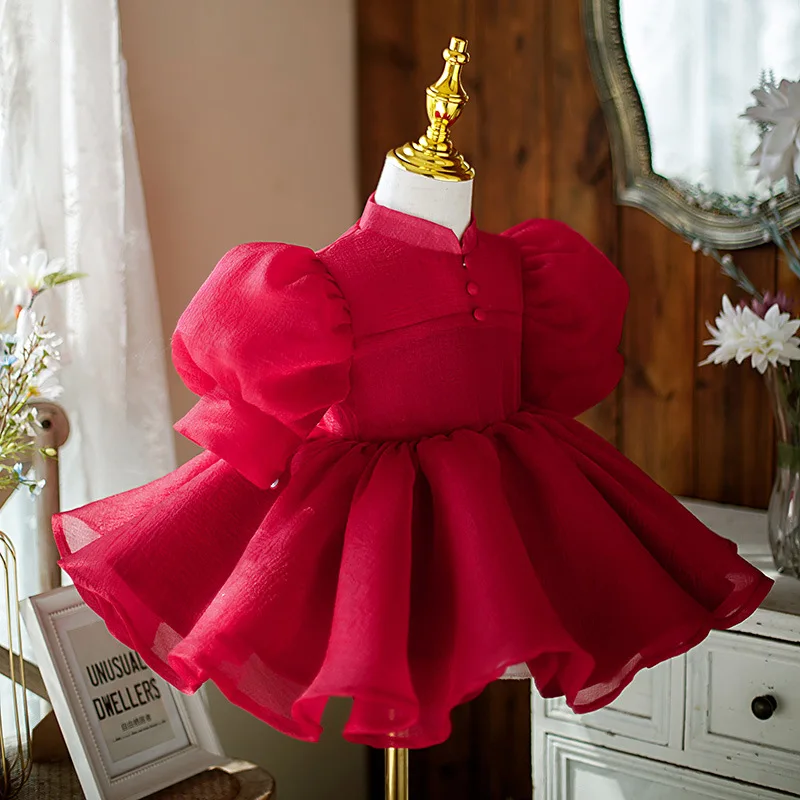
(396, 773)
(16, 768)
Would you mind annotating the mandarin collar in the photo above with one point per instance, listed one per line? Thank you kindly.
(415, 231)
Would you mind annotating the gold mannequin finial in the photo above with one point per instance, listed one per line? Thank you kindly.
(434, 155)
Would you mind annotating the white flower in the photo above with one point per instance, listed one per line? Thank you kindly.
(30, 273)
(741, 334)
(778, 155)
(44, 385)
(37, 359)
(47, 388)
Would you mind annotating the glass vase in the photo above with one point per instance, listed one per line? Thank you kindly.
(783, 515)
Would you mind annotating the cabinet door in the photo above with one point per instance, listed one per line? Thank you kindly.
(650, 709)
(577, 771)
(727, 674)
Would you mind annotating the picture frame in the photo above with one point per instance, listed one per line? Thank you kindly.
(129, 733)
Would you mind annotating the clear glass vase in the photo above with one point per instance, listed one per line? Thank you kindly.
(783, 516)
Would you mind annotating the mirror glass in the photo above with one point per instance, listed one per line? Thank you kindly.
(695, 64)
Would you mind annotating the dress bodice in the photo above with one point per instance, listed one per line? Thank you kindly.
(436, 325)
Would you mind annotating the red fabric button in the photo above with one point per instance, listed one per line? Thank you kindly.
(479, 314)
(472, 288)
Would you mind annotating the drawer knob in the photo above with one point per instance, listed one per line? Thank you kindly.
(764, 707)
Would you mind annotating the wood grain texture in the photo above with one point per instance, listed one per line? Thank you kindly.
(581, 190)
(388, 101)
(788, 282)
(502, 741)
(513, 138)
(732, 422)
(659, 350)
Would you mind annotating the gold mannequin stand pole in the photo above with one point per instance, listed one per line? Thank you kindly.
(396, 774)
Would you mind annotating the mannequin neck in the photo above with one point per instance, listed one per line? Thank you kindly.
(447, 203)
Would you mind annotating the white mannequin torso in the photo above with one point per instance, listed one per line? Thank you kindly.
(447, 203)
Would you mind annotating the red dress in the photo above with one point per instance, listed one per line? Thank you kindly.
(438, 514)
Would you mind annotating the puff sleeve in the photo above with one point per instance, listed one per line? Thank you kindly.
(574, 301)
(266, 344)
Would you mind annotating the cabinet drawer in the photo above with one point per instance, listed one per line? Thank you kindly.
(644, 711)
(724, 676)
(577, 771)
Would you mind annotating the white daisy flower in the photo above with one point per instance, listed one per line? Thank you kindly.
(741, 334)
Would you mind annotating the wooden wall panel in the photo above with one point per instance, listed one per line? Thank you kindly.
(579, 167)
(388, 97)
(535, 133)
(513, 136)
(788, 282)
(659, 349)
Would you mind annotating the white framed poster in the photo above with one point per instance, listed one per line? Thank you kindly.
(128, 731)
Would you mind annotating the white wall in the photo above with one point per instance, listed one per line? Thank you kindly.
(245, 118)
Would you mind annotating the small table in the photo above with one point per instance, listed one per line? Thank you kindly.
(231, 780)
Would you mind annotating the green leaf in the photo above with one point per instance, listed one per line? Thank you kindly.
(57, 278)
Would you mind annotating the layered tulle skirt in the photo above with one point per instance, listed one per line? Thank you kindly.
(408, 575)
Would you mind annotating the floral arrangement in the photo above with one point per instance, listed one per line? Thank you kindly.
(764, 330)
(29, 359)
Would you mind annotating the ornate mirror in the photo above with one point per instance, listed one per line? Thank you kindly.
(674, 78)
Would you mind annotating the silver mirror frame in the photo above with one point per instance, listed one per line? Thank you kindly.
(635, 183)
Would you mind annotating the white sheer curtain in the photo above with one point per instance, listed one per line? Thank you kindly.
(695, 63)
(70, 182)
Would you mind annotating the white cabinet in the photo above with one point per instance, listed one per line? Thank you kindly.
(721, 722)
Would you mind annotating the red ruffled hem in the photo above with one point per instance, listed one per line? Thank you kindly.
(189, 677)
(408, 576)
